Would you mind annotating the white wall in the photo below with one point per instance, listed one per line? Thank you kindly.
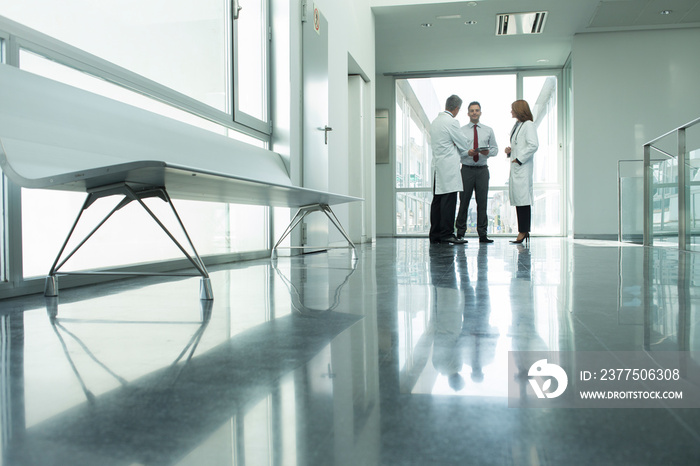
(629, 87)
(350, 33)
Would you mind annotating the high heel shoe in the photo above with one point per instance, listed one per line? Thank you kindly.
(526, 238)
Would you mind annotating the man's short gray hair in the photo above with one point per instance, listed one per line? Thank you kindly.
(453, 102)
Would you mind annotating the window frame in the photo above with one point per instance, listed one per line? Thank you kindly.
(264, 125)
(34, 41)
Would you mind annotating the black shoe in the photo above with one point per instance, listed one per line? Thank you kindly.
(453, 240)
(485, 239)
(526, 238)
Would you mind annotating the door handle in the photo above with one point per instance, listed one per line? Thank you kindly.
(325, 130)
(236, 8)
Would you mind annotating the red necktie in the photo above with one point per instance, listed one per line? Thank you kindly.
(476, 145)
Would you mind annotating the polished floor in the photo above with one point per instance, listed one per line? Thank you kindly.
(399, 358)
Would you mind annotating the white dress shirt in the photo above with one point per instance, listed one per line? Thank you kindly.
(485, 138)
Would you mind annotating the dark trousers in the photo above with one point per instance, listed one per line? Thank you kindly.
(524, 213)
(474, 179)
(442, 215)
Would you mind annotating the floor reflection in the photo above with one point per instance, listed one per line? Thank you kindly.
(144, 375)
(400, 358)
(471, 333)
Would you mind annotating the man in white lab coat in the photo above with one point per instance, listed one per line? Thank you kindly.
(447, 141)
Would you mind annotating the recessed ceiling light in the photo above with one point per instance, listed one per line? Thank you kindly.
(470, 22)
(471, 3)
(448, 17)
(665, 12)
(543, 60)
(426, 25)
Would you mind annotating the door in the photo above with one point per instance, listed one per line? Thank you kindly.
(316, 131)
(315, 284)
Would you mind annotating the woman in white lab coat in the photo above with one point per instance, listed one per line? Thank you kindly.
(523, 145)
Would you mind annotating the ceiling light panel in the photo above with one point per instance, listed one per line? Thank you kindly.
(508, 24)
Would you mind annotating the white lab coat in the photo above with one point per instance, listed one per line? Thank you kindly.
(447, 140)
(523, 145)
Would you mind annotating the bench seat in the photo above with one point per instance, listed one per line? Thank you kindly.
(55, 136)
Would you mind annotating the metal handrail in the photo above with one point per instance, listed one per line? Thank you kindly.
(685, 126)
(669, 155)
(683, 232)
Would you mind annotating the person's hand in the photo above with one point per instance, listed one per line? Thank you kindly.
(472, 152)
(507, 151)
(485, 152)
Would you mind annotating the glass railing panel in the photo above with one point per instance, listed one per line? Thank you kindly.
(692, 137)
(664, 191)
(631, 196)
(672, 204)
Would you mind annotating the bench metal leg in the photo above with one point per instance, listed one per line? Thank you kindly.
(301, 214)
(297, 296)
(51, 286)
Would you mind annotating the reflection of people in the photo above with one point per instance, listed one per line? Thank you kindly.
(448, 305)
(446, 141)
(475, 172)
(524, 144)
(523, 329)
(479, 338)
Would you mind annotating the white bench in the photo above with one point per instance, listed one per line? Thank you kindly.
(54, 136)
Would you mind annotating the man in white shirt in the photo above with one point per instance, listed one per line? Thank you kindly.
(446, 141)
(475, 172)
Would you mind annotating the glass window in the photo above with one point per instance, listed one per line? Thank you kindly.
(185, 47)
(251, 62)
(37, 64)
(48, 215)
(420, 100)
(541, 93)
(413, 212)
(400, 150)
(181, 45)
(495, 94)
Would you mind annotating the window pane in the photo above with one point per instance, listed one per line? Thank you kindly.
(400, 149)
(413, 212)
(181, 45)
(413, 152)
(47, 215)
(419, 156)
(541, 93)
(251, 51)
(44, 67)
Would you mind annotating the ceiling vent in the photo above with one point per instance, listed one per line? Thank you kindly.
(508, 24)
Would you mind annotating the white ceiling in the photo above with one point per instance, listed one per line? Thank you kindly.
(404, 46)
